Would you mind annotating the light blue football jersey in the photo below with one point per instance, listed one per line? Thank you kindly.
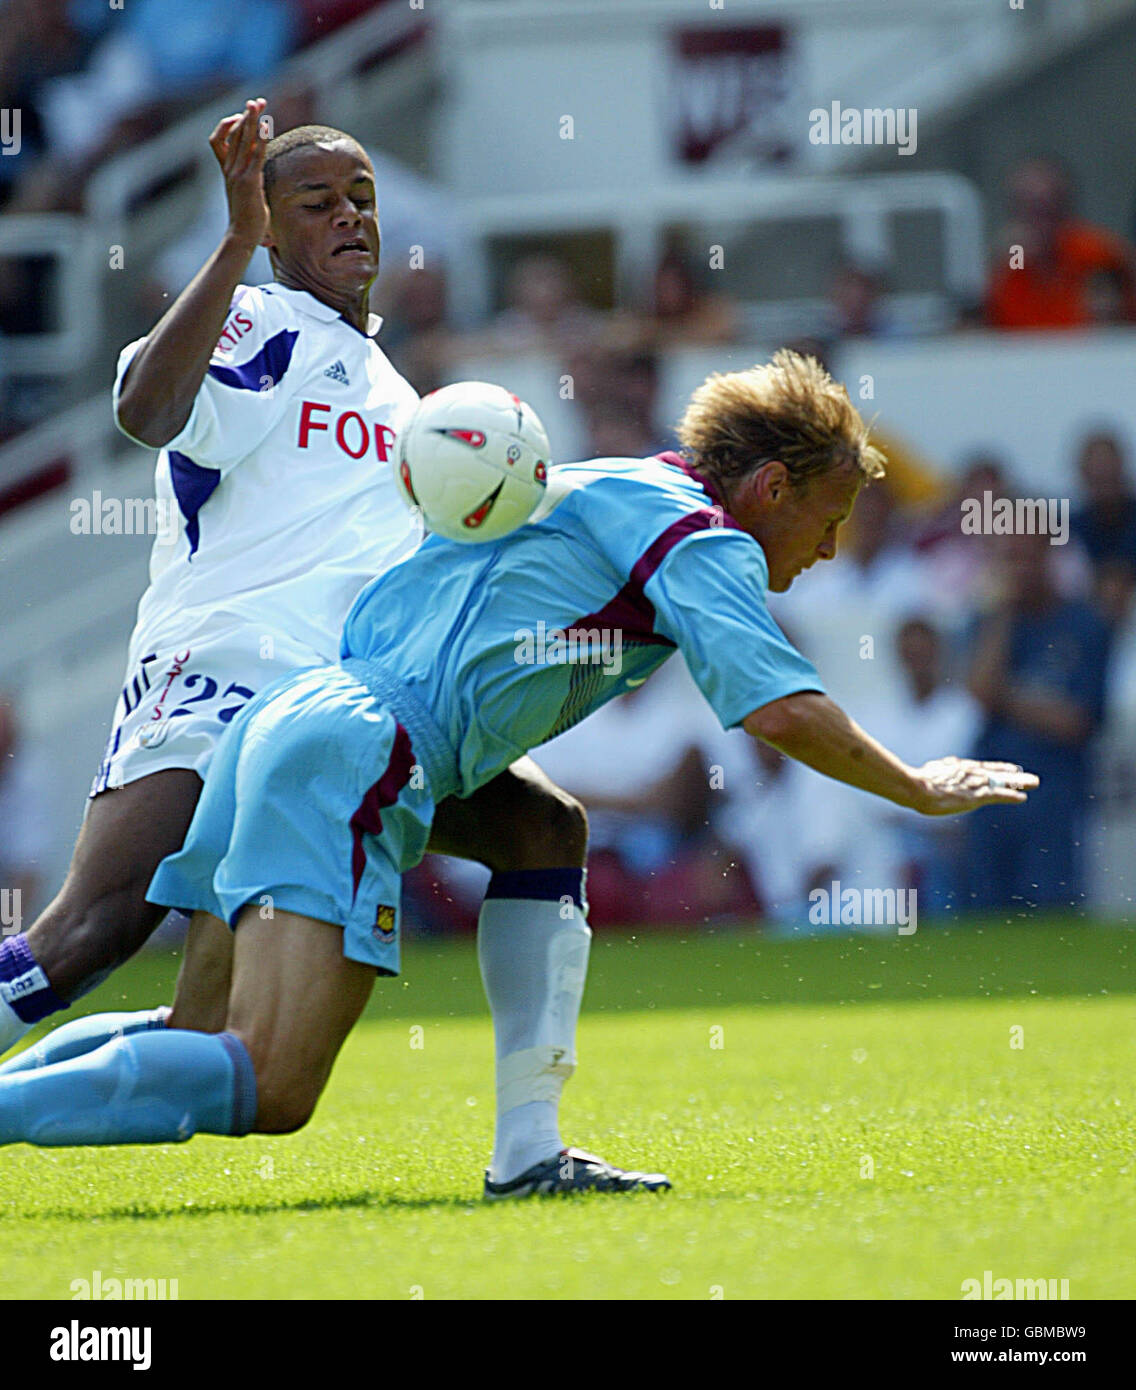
(510, 642)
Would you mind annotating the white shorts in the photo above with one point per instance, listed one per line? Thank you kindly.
(178, 698)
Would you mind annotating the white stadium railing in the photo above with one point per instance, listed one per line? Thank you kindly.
(865, 208)
(72, 244)
(569, 15)
(86, 433)
(63, 596)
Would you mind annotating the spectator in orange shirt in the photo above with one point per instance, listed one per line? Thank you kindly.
(1050, 283)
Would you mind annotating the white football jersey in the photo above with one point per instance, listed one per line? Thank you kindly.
(280, 484)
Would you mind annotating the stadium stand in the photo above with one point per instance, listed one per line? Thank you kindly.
(885, 260)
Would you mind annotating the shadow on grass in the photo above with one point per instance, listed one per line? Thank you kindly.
(386, 1201)
(357, 1200)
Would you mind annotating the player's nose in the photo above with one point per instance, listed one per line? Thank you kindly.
(346, 214)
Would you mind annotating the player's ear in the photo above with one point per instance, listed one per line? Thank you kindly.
(770, 482)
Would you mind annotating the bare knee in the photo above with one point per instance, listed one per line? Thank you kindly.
(285, 1099)
(295, 997)
(283, 1117)
(550, 830)
(282, 1109)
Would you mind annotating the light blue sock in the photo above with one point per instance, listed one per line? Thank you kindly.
(155, 1087)
(83, 1035)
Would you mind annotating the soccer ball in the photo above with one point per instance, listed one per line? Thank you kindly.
(473, 458)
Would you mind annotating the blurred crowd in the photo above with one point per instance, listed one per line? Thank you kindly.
(935, 640)
(92, 78)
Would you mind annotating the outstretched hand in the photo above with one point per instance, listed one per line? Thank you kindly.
(954, 785)
(239, 148)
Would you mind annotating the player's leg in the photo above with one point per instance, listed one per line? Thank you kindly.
(533, 941)
(201, 1003)
(201, 1000)
(520, 821)
(203, 984)
(168, 1083)
(84, 1035)
(100, 916)
(294, 999)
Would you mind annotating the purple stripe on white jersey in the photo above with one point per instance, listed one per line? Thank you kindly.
(193, 486)
(262, 371)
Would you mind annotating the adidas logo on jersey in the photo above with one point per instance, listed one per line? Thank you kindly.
(338, 372)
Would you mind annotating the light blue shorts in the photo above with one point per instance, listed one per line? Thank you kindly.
(313, 804)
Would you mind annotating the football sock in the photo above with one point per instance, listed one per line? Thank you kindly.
(26, 994)
(532, 945)
(155, 1087)
(84, 1035)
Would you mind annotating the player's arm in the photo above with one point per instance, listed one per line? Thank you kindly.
(167, 371)
(813, 729)
(709, 595)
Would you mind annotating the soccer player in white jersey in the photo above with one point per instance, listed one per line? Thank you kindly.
(274, 411)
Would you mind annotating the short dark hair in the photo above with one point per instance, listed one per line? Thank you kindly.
(295, 139)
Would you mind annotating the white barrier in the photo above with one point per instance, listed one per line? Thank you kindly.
(71, 242)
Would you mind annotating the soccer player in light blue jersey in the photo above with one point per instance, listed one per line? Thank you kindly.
(324, 790)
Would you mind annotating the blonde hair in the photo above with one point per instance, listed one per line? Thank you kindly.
(788, 409)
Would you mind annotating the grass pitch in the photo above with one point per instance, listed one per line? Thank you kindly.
(842, 1118)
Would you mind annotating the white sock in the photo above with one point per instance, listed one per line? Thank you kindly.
(12, 1027)
(533, 954)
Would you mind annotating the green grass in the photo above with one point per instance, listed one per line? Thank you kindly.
(896, 1050)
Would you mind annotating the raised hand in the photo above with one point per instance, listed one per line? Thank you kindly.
(239, 148)
(953, 785)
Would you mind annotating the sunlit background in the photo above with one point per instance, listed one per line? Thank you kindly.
(596, 204)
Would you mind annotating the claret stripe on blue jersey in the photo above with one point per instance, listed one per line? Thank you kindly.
(267, 366)
(708, 486)
(631, 610)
